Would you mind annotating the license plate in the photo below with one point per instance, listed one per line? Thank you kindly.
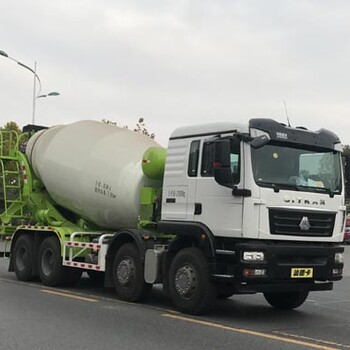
(302, 272)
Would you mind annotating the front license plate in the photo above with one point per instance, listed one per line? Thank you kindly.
(302, 272)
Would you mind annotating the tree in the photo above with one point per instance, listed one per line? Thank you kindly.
(12, 126)
(140, 127)
(9, 137)
(346, 149)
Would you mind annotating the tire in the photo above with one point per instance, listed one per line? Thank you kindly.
(286, 301)
(191, 289)
(24, 257)
(128, 274)
(51, 271)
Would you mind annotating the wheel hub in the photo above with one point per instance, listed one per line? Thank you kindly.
(21, 259)
(185, 281)
(126, 271)
(47, 262)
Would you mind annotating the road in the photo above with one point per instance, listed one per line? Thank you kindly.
(88, 317)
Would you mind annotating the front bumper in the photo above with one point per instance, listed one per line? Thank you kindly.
(281, 260)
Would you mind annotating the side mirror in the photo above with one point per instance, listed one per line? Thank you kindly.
(222, 163)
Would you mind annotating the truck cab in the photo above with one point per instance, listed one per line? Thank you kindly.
(294, 174)
(269, 198)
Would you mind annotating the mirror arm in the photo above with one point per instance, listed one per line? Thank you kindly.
(244, 192)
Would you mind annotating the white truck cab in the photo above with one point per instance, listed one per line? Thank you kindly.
(265, 200)
(273, 187)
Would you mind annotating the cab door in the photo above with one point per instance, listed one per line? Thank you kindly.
(219, 209)
(180, 180)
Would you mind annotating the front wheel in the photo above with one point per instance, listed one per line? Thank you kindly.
(128, 275)
(190, 286)
(286, 301)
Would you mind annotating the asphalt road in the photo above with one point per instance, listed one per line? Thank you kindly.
(88, 317)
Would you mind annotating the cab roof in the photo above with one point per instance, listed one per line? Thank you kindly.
(208, 129)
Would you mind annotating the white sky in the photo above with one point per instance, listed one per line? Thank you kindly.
(178, 62)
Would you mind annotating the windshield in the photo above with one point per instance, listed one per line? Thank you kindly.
(297, 169)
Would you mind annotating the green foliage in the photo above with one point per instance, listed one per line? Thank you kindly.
(12, 126)
(9, 137)
(346, 149)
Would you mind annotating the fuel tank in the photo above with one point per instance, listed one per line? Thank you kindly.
(93, 169)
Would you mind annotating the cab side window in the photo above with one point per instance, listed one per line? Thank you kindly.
(193, 158)
(207, 168)
(236, 161)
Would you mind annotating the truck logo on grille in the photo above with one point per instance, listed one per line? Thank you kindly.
(302, 200)
(304, 224)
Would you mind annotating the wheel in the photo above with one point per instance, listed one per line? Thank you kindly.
(286, 301)
(190, 286)
(96, 277)
(51, 270)
(128, 275)
(24, 257)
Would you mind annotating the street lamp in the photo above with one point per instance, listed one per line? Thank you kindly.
(36, 78)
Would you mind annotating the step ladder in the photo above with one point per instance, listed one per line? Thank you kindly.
(11, 189)
(11, 201)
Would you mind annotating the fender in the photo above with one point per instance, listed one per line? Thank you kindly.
(140, 237)
(193, 231)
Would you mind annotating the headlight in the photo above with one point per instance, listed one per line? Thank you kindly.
(339, 258)
(253, 256)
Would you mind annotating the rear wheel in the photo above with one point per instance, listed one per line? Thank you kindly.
(190, 286)
(128, 274)
(51, 270)
(286, 301)
(24, 257)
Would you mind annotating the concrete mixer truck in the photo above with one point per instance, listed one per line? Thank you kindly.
(226, 209)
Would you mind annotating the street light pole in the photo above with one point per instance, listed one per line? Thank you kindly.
(34, 94)
(36, 79)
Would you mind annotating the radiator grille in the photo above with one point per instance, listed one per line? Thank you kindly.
(287, 222)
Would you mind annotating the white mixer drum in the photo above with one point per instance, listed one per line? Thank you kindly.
(92, 169)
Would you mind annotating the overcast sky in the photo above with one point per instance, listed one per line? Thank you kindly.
(178, 62)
